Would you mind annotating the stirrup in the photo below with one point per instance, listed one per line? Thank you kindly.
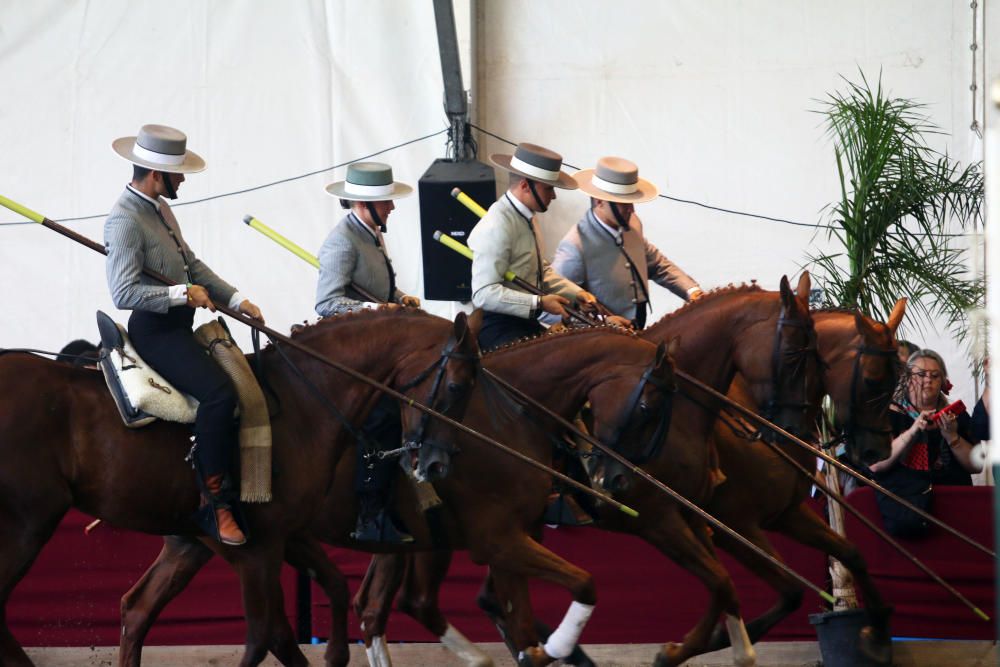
(563, 510)
(379, 528)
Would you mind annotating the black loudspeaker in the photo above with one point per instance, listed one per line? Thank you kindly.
(448, 275)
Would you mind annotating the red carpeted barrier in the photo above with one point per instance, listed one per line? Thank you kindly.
(923, 608)
(70, 597)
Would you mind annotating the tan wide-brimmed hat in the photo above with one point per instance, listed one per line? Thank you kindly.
(369, 181)
(537, 163)
(159, 148)
(616, 180)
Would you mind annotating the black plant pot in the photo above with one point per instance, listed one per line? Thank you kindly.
(838, 633)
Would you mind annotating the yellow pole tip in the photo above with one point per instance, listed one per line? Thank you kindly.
(455, 192)
(980, 613)
(248, 218)
(629, 511)
(829, 598)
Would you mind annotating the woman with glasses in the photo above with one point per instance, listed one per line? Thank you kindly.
(925, 450)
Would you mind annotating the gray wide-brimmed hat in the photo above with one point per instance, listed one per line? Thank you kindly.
(159, 148)
(616, 180)
(536, 163)
(369, 181)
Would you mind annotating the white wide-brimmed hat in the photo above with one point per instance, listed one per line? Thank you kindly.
(369, 181)
(536, 163)
(616, 180)
(159, 148)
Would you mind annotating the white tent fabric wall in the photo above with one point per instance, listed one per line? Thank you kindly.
(264, 91)
(711, 99)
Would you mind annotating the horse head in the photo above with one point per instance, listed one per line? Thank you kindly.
(861, 379)
(789, 390)
(445, 386)
(631, 413)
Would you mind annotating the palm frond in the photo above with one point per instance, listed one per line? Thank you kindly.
(900, 205)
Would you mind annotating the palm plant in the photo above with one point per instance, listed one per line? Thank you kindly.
(894, 219)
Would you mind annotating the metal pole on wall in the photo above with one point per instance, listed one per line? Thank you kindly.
(992, 181)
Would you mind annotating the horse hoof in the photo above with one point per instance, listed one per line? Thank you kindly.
(876, 648)
(534, 656)
(668, 656)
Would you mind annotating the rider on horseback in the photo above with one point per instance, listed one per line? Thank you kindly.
(355, 254)
(141, 232)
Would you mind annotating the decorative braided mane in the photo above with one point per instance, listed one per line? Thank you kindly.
(307, 328)
(709, 297)
(576, 331)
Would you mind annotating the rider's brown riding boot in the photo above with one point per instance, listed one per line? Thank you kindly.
(229, 530)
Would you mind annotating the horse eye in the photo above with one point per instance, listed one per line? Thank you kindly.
(455, 387)
(643, 407)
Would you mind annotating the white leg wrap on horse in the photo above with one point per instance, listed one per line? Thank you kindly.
(378, 653)
(562, 641)
(744, 654)
(457, 643)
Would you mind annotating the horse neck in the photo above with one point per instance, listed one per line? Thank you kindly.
(558, 370)
(375, 345)
(710, 331)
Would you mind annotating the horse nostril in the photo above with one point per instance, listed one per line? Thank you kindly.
(436, 471)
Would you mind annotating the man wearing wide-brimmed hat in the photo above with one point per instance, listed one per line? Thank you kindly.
(606, 252)
(141, 232)
(506, 240)
(354, 253)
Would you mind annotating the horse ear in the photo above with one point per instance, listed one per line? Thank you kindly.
(896, 316)
(661, 352)
(461, 327)
(475, 321)
(673, 345)
(786, 292)
(804, 286)
(864, 327)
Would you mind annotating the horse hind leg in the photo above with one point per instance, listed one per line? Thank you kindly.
(21, 545)
(177, 563)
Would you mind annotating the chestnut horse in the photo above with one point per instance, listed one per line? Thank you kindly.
(492, 502)
(63, 445)
(727, 330)
(860, 370)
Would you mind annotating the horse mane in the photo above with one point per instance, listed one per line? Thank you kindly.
(707, 298)
(528, 341)
(308, 328)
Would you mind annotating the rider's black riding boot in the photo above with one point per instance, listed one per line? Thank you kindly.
(375, 523)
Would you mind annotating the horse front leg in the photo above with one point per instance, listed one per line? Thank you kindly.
(177, 563)
(306, 554)
(803, 525)
(521, 558)
(373, 603)
(419, 598)
(268, 629)
(688, 545)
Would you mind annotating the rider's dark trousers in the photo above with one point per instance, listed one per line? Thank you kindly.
(167, 344)
(499, 329)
